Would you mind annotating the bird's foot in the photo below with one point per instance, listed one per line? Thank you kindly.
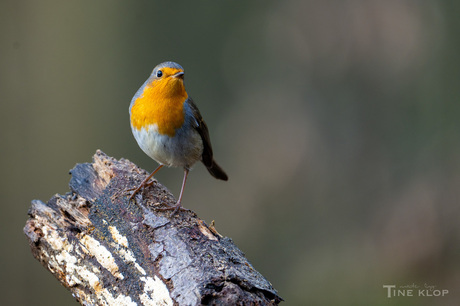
(174, 208)
(136, 190)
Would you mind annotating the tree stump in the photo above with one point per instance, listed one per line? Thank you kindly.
(108, 250)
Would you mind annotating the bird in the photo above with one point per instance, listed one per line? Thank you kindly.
(168, 126)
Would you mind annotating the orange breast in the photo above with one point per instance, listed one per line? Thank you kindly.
(161, 103)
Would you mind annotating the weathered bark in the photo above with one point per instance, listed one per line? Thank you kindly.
(108, 250)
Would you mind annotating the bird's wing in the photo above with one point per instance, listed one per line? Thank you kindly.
(202, 129)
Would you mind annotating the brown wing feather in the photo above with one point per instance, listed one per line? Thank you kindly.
(207, 157)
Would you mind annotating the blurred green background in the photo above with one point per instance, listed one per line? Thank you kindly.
(337, 122)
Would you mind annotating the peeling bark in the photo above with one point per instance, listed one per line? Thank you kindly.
(110, 251)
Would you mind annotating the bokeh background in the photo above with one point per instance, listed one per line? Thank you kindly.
(337, 122)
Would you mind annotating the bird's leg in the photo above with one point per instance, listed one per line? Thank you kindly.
(178, 204)
(144, 182)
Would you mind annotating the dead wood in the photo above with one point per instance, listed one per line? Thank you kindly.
(108, 250)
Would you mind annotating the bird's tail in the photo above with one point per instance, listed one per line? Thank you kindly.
(217, 171)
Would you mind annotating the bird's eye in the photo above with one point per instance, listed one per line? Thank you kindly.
(159, 73)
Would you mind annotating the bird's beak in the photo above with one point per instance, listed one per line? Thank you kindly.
(179, 75)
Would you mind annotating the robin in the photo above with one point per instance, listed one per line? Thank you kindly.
(168, 126)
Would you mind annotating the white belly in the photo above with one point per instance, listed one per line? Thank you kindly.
(182, 150)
